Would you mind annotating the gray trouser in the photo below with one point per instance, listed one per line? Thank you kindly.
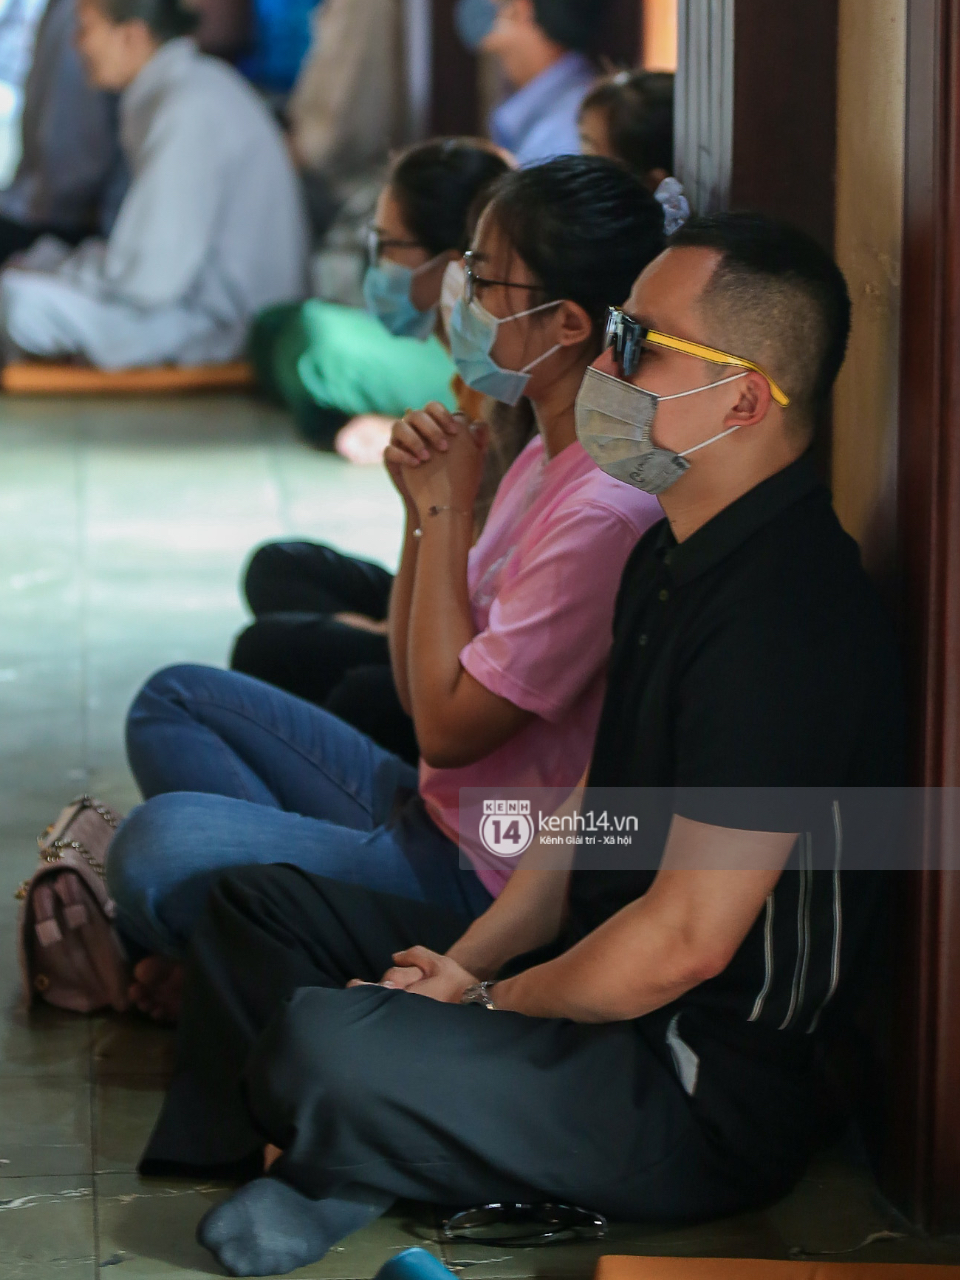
(442, 1103)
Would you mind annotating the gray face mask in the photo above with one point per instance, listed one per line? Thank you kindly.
(615, 425)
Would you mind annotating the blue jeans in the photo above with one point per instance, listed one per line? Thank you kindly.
(236, 772)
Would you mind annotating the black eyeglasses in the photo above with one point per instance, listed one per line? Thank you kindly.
(475, 282)
(376, 242)
(524, 1224)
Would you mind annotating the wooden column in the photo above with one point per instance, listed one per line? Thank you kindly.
(785, 112)
(620, 36)
(757, 108)
(925, 1167)
(455, 88)
(757, 114)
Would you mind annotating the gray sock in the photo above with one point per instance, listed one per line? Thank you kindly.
(268, 1228)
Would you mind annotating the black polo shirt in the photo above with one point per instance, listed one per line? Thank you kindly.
(755, 654)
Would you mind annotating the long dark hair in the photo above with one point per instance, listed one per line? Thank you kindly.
(437, 185)
(585, 227)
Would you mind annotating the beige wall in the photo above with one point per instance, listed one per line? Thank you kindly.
(870, 160)
(660, 35)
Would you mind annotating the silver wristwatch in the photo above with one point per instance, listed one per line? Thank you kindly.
(478, 993)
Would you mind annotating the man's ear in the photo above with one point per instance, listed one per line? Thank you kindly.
(754, 401)
(575, 325)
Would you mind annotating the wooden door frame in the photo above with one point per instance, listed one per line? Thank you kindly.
(924, 1168)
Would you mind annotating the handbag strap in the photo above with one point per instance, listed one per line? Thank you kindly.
(54, 851)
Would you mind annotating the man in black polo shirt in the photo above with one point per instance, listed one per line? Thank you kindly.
(651, 1053)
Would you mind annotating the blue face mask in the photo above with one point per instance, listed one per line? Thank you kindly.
(473, 331)
(474, 21)
(386, 292)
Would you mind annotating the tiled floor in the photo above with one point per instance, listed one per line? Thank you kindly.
(123, 528)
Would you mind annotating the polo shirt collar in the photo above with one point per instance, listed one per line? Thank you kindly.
(732, 526)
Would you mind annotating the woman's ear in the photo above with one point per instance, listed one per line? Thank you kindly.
(575, 325)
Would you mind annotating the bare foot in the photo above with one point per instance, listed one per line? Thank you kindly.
(363, 440)
(157, 988)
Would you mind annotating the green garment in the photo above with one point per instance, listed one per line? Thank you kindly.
(341, 358)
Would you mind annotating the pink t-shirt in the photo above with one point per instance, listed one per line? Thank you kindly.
(543, 581)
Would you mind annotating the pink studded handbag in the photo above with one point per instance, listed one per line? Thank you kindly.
(70, 954)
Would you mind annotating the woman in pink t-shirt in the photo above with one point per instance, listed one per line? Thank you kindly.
(499, 650)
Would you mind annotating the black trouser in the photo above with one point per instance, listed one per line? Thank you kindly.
(296, 644)
(448, 1104)
(17, 236)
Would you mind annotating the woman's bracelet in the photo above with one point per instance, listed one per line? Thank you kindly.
(435, 511)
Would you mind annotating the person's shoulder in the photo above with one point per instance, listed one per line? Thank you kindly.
(801, 582)
(214, 88)
(806, 548)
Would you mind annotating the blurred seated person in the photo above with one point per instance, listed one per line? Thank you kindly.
(347, 116)
(320, 628)
(499, 645)
(71, 176)
(650, 1032)
(211, 230)
(629, 117)
(327, 362)
(542, 47)
(346, 112)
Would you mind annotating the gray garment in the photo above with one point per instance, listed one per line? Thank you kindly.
(348, 109)
(71, 173)
(444, 1103)
(211, 231)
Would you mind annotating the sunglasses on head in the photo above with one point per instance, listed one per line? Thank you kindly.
(627, 337)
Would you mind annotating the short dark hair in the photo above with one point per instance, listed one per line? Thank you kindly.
(585, 226)
(571, 23)
(437, 185)
(778, 298)
(167, 19)
(638, 106)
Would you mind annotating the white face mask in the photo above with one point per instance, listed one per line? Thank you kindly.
(451, 291)
(615, 425)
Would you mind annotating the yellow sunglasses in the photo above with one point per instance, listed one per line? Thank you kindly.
(627, 337)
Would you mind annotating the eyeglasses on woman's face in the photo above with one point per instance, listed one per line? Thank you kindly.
(377, 240)
(474, 282)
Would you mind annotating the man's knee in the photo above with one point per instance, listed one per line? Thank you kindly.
(325, 1043)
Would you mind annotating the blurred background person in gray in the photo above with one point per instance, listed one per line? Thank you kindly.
(348, 111)
(211, 229)
(71, 176)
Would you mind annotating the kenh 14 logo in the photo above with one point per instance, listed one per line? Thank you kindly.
(506, 827)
